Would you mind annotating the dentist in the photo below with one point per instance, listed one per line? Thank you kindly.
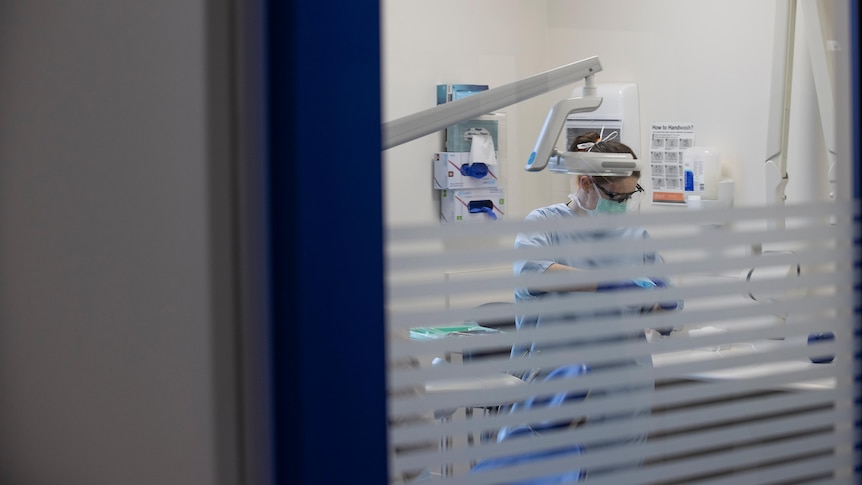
(594, 196)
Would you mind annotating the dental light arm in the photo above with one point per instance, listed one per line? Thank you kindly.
(583, 163)
(423, 123)
(554, 123)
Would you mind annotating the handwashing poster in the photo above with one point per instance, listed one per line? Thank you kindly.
(667, 142)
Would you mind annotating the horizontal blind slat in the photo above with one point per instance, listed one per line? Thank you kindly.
(730, 412)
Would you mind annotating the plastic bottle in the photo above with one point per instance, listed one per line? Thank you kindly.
(701, 168)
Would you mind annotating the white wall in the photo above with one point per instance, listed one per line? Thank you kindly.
(704, 61)
(489, 42)
(698, 61)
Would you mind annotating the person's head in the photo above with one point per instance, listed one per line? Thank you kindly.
(607, 193)
(584, 142)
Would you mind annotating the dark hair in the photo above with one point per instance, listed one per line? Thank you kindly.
(613, 146)
(588, 137)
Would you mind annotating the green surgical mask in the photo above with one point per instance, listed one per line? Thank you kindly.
(604, 206)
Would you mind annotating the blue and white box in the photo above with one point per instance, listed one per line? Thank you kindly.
(459, 206)
(448, 173)
(453, 92)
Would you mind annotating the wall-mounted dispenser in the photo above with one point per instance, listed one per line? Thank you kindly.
(454, 170)
(619, 111)
(703, 186)
(472, 205)
(701, 170)
(467, 173)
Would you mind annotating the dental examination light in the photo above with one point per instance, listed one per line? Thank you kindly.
(582, 163)
(596, 164)
(417, 125)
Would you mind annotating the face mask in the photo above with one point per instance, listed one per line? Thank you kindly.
(604, 206)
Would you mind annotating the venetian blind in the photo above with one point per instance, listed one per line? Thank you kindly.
(736, 393)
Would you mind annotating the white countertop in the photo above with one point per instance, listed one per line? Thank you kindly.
(477, 384)
(495, 381)
(746, 371)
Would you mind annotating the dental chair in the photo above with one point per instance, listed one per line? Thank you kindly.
(524, 431)
(503, 324)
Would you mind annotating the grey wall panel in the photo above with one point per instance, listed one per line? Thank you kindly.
(113, 357)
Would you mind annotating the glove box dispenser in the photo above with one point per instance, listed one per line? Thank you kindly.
(472, 205)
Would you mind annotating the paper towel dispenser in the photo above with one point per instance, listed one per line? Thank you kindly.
(619, 111)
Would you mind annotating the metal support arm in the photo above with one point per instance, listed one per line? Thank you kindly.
(423, 123)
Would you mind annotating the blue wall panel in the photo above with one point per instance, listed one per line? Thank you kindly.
(326, 242)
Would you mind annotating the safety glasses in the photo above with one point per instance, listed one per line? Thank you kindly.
(620, 197)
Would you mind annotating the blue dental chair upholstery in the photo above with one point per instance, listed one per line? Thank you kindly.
(536, 429)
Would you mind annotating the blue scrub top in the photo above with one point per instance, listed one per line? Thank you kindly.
(560, 238)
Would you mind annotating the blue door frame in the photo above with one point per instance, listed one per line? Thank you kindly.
(326, 241)
(326, 238)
